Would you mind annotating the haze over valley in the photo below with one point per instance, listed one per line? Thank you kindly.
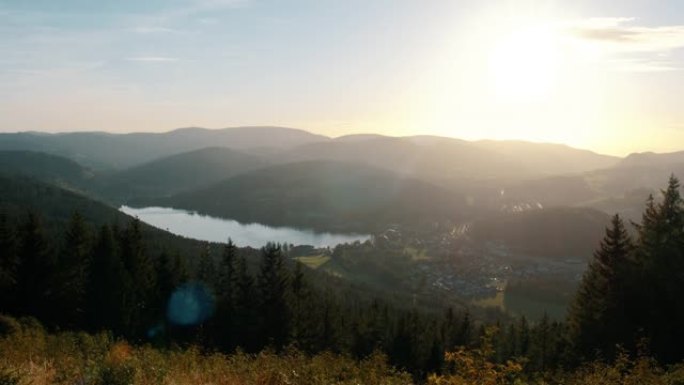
(395, 192)
(472, 217)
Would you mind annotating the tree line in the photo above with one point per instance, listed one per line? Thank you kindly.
(109, 279)
(630, 297)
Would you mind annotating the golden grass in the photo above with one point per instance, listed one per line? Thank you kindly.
(34, 357)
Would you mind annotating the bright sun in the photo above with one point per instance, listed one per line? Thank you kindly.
(523, 65)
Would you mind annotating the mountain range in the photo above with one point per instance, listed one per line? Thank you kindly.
(285, 176)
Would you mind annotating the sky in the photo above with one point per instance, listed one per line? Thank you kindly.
(606, 75)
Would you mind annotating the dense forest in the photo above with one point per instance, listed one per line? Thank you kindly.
(626, 316)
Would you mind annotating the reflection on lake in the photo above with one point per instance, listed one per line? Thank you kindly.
(205, 228)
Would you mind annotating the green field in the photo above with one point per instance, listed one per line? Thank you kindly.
(314, 261)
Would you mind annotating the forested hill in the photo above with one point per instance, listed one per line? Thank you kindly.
(449, 160)
(118, 151)
(563, 233)
(616, 332)
(323, 195)
(41, 166)
(178, 173)
(55, 206)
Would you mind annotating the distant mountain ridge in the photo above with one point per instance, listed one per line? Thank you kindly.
(118, 151)
(101, 150)
(642, 159)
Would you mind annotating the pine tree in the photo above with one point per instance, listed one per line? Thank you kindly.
(206, 268)
(523, 340)
(108, 285)
(660, 258)
(600, 302)
(542, 344)
(244, 328)
(273, 282)
(35, 272)
(225, 290)
(171, 274)
(226, 269)
(304, 305)
(141, 291)
(72, 270)
(329, 324)
(8, 264)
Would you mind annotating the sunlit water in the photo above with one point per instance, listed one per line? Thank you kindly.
(206, 228)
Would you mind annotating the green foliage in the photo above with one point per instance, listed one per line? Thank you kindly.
(177, 173)
(323, 195)
(36, 271)
(71, 276)
(273, 282)
(600, 303)
(632, 290)
(119, 283)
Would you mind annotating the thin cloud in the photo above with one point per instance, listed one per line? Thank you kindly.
(632, 38)
(164, 20)
(153, 59)
(198, 7)
(642, 65)
(632, 48)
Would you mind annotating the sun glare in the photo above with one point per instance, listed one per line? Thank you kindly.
(523, 65)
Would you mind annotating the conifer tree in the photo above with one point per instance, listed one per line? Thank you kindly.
(108, 285)
(273, 282)
(600, 303)
(244, 330)
(304, 323)
(523, 340)
(171, 273)
(329, 324)
(206, 269)
(141, 291)
(35, 272)
(225, 290)
(8, 264)
(72, 272)
(659, 283)
(227, 269)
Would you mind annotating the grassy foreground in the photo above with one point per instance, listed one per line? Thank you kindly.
(29, 355)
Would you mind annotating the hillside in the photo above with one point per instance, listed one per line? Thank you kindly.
(103, 151)
(549, 158)
(46, 167)
(455, 162)
(556, 232)
(625, 188)
(55, 205)
(323, 195)
(650, 159)
(178, 173)
(444, 159)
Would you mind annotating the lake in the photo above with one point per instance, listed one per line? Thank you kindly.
(192, 225)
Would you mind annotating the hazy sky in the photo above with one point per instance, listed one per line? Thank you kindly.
(605, 75)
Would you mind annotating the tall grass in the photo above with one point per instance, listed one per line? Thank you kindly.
(29, 355)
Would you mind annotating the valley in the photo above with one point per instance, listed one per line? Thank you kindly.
(487, 224)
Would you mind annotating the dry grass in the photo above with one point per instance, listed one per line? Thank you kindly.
(28, 355)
